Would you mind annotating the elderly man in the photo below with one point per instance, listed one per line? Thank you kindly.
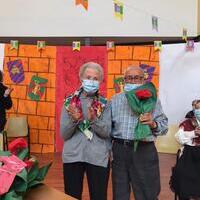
(135, 158)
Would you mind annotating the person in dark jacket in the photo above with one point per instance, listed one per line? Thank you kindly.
(5, 102)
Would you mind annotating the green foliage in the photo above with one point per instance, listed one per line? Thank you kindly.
(29, 177)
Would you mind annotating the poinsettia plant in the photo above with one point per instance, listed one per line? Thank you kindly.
(18, 171)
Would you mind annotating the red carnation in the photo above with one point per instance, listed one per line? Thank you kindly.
(143, 94)
(17, 145)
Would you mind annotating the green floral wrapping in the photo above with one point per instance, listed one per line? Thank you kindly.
(139, 107)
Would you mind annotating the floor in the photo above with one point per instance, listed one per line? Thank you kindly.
(55, 179)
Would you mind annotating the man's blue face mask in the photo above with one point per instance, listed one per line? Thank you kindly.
(90, 86)
(131, 86)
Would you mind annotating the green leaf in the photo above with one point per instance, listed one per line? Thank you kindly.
(12, 196)
(5, 153)
(33, 173)
(20, 182)
(43, 171)
(34, 183)
(23, 154)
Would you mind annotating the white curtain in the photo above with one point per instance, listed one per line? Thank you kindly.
(179, 80)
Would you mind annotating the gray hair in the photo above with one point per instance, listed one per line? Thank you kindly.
(134, 68)
(91, 65)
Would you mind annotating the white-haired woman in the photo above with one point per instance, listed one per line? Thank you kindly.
(85, 128)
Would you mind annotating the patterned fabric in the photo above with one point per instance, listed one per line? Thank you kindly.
(36, 88)
(190, 125)
(97, 104)
(124, 120)
(16, 71)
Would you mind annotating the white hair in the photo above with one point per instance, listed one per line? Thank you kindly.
(134, 68)
(91, 65)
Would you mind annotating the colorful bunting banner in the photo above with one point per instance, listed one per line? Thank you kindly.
(14, 44)
(16, 71)
(41, 45)
(36, 88)
(184, 37)
(76, 45)
(110, 45)
(190, 45)
(118, 9)
(157, 45)
(155, 23)
(84, 3)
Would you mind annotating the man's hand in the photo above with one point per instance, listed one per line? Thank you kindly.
(147, 118)
(74, 113)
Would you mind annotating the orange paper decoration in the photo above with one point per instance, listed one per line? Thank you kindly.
(84, 3)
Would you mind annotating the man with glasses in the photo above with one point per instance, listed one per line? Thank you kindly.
(137, 168)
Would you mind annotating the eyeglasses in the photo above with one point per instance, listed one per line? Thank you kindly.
(134, 78)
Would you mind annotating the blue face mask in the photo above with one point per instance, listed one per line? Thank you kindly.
(197, 113)
(131, 86)
(90, 86)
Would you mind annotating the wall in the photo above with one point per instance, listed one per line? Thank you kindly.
(198, 28)
(41, 115)
(63, 18)
(124, 56)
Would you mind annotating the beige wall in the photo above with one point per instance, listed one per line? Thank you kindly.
(198, 28)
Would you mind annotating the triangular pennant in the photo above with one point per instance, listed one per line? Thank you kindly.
(41, 45)
(155, 23)
(14, 44)
(118, 9)
(157, 45)
(76, 45)
(190, 45)
(84, 3)
(110, 45)
(184, 37)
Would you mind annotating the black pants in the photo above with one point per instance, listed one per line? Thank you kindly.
(139, 170)
(97, 178)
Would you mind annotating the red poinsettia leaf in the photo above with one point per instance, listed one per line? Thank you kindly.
(143, 94)
(17, 145)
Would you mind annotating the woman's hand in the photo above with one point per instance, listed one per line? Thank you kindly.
(74, 113)
(91, 114)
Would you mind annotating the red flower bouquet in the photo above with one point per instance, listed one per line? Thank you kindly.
(143, 94)
(18, 171)
(142, 100)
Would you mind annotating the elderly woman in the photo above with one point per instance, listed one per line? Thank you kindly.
(186, 177)
(85, 128)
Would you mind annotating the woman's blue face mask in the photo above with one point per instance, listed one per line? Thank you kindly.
(90, 86)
